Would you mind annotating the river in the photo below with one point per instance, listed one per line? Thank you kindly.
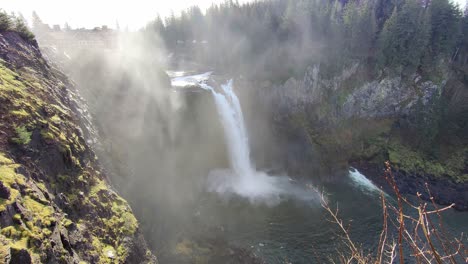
(279, 219)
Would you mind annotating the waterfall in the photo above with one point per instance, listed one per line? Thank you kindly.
(243, 179)
(232, 119)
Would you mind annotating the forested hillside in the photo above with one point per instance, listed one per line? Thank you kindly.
(282, 37)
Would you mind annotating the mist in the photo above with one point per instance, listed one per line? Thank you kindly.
(222, 126)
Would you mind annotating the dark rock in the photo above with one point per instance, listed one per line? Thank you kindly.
(137, 250)
(25, 214)
(21, 170)
(6, 216)
(4, 191)
(62, 201)
(19, 256)
(66, 241)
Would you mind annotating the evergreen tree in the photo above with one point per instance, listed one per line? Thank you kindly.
(360, 27)
(405, 34)
(404, 37)
(445, 21)
(5, 21)
(386, 38)
(22, 29)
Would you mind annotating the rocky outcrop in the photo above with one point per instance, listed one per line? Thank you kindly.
(389, 97)
(349, 95)
(419, 125)
(298, 95)
(56, 204)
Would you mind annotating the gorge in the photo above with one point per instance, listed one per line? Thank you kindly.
(308, 131)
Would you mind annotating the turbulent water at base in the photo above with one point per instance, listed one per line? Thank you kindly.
(274, 217)
(243, 179)
(362, 182)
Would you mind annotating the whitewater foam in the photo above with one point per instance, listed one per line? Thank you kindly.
(362, 182)
(242, 179)
(183, 81)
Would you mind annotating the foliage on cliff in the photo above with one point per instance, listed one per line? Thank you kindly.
(15, 24)
(279, 39)
(56, 205)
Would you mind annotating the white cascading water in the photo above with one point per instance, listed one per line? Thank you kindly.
(243, 179)
(360, 181)
(234, 128)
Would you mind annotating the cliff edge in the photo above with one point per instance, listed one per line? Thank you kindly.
(56, 205)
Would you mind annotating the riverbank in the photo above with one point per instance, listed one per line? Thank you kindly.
(443, 190)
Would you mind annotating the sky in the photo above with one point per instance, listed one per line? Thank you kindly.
(91, 13)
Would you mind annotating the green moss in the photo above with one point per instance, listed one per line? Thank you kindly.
(414, 161)
(55, 119)
(123, 220)
(59, 109)
(17, 217)
(23, 136)
(122, 252)
(47, 135)
(41, 213)
(20, 113)
(130, 223)
(8, 176)
(4, 160)
(109, 252)
(106, 253)
(23, 91)
(41, 186)
(17, 238)
(98, 186)
(66, 222)
(11, 232)
(9, 79)
(58, 133)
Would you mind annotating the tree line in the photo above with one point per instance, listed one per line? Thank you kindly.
(402, 36)
(12, 22)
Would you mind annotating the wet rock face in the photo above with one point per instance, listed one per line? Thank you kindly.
(416, 124)
(19, 256)
(387, 98)
(56, 205)
(4, 192)
(375, 99)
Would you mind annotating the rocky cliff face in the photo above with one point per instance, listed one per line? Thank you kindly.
(388, 97)
(56, 205)
(349, 95)
(418, 124)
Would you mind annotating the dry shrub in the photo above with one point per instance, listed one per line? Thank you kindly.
(409, 233)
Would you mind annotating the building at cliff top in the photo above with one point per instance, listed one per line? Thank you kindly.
(72, 39)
